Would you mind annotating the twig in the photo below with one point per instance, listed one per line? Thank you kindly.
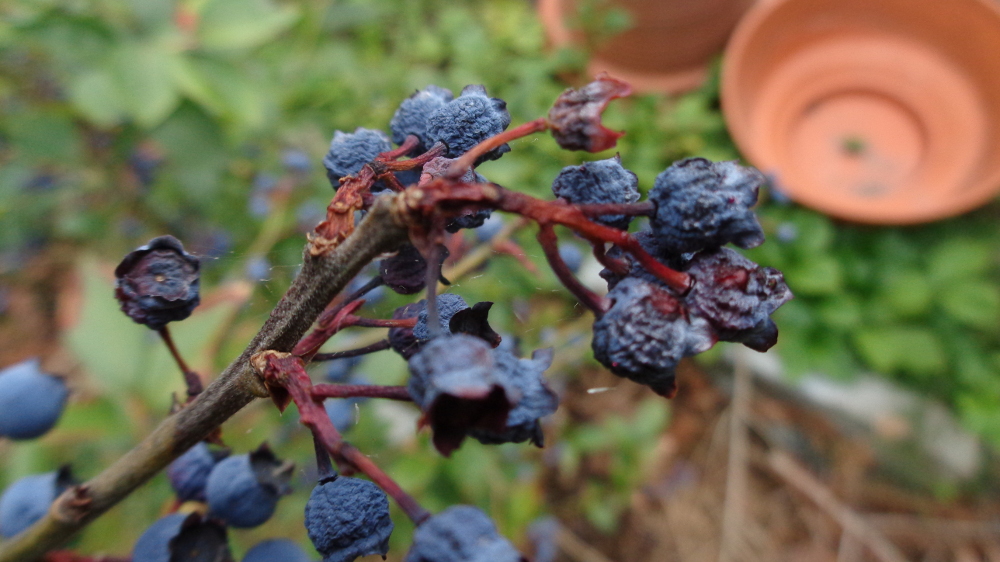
(590, 299)
(380, 345)
(467, 160)
(789, 470)
(737, 476)
(322, 391)
(191, 378)
(322, 276)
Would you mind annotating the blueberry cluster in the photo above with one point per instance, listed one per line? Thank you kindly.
(648, 326)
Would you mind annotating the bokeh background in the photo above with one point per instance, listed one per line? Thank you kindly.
(208, 119)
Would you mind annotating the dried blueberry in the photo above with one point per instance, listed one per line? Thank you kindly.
(412, 115)
(30, 401)
(601, 181)
(461, 533)
(453, 381)
(402, 340)
(468, 120)
(534, 399)
(27, 500)
(406, 271)
(645, 332)
(347, 518)
(575, 117)
(448, 304)
(188, 474)
(182, 537)
(243, 490)
(276, 550)
(702, 204)
(349, 152)
(158, 283)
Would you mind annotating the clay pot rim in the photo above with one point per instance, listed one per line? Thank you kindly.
(975, 191)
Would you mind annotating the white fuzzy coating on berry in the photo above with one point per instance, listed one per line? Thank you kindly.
(600, 181)
(449, 304)
(349, 152)
(347, 518)
(732, 292)
(702, 204)
(468, 120)
(411, 116)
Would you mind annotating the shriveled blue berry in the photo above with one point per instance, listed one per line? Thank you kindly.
(347, 518)
(276, 550)
(349, 152)
(453, 380)
(461, 533)
(448, 304)
(468, 120)
(406, 271)
(402, 340)
(188, 474)
(158, 283)
(296, 161)
(533, 399)
(702, 204)
(30, 401)
(645, 332)
(412, 115)
(182, 537)
(601, 181)
(733, 293)
(243, 490)
(27, 500)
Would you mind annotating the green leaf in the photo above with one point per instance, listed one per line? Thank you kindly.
(907, 294)
(900, 348)
(96, 96)
(243, 24)
(819, 275)
(974, 303)
(959, 258)
(143, 72)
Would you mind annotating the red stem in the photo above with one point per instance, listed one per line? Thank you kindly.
(643, 208)
(377, 346)
(409, 144)
(191, 378)
(378, 322)
(289, 372)
(550, 245)
(467, 160)
(361, 391)
(416, 161)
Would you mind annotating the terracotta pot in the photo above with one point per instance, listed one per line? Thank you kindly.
(668, 47)
(881, 111)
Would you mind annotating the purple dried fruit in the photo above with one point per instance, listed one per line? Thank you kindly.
(575, 118)
(601, 181)
(158, 283)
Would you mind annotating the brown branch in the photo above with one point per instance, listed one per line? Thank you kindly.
(322, 276)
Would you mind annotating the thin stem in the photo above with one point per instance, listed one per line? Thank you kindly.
(614, 264)
(642, 208)
(191, 378)
(392, 181)
(433, 258)
(361, 391)
(350, 321)
(408, 145)
(468, 160)
(380, 345)
(550, 245)
(288, 372)
(324, 465)
(417, 161)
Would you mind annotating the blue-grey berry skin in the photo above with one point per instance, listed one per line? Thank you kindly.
(461, 533)
(571, 256)
(448, 305)
(490, 228)
(349, 152)
(412, 115)
(276, 550)
(183, 537)
(600, 181)
(27, 500)
(645, 332)
(347, 518)
(468, 120)
(523, 378)
(188, 474)
(154, 544)
(702, 204)
(30, 401)
(241, 491)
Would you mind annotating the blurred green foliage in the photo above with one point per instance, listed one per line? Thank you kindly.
(125, 119)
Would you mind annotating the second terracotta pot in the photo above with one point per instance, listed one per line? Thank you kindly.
(882, 111)
(668, 47)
